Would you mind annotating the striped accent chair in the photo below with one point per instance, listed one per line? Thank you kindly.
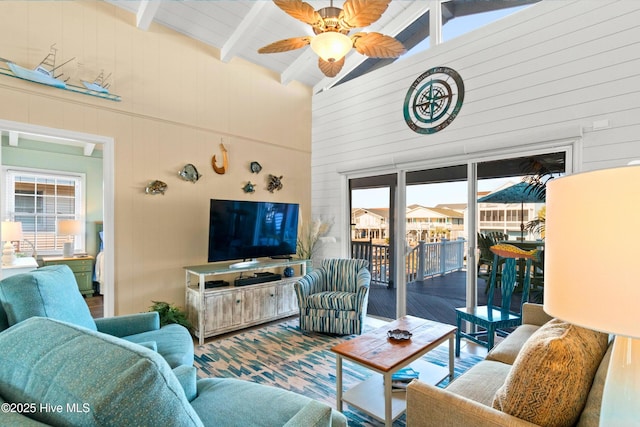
(333, 298)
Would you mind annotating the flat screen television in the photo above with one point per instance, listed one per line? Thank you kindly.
(246, 230)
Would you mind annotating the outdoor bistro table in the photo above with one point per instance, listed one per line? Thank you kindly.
(376, 351)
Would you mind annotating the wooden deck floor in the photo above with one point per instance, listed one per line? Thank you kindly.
(434, 299)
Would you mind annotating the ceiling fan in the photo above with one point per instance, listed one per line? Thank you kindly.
(332, 26)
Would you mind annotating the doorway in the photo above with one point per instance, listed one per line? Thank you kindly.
(13, 130)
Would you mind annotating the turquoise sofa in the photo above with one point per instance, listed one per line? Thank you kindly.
(56, 373)
(52, 292)
(58, 368)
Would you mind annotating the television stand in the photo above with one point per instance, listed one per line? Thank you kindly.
(245, 264)
(263, 297)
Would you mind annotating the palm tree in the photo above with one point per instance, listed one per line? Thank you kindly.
(537, 225)
(539, 172)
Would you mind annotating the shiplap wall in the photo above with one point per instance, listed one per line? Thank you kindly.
(543, 75)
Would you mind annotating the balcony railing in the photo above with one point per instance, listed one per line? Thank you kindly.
(423, 261)
(378, 257)
(435, 259)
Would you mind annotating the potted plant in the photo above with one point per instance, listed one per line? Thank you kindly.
(309, 236)
(169, 313)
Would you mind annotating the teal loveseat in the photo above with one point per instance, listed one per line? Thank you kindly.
(59, 374)
(58, 367)
(52, 292)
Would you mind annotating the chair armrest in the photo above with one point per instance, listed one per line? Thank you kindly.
(313, 414)
(363, 279)
(310, 283)
(131, 324)
(363, 282)
(429, 406)
(533, 314)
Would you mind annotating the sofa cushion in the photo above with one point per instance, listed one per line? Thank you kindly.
(507, 350)
(481, 381)
(94, 379)
(246, 403)
(590, 416)
(551, 377)
(173, 342)
(16, 419)
(332, 300)
(50, 291)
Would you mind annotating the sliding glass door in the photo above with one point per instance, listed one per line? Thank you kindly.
(372, 210)
(420, 230)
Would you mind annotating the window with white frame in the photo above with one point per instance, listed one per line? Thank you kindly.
(39, 199)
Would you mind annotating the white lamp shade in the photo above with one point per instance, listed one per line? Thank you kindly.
(331, 46)
(69, 227)
(11, 231)
(592, 248)
(591, 251)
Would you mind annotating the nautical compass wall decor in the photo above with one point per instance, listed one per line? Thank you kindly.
(433, 100)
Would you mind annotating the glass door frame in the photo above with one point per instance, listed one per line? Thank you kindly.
(572, 146)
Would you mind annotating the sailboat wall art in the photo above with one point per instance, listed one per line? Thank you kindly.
(45, 73)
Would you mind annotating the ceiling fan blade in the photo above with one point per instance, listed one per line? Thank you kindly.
(376, 45)
(286, 45)
(301, 11)
(362, 13)
(330, 69)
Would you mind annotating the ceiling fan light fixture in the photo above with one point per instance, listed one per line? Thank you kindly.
(331, 46)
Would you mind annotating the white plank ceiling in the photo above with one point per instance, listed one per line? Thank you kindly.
(238, 28)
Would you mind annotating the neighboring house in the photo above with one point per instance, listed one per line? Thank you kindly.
(370, 224)
(507, 218)
(428, 224)
(433, 224)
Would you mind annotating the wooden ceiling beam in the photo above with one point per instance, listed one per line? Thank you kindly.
(146, 12)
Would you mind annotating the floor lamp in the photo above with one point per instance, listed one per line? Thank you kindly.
(69, 228)
(11, 232)
(592, 249)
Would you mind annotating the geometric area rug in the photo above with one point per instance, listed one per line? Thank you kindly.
(281, 355)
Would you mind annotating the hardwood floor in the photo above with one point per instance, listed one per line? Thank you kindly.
(96, 305)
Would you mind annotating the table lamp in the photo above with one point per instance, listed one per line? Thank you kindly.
(592, 250)
(11, 232)
(69, 228)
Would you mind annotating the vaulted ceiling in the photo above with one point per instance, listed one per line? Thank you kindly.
(238, 28)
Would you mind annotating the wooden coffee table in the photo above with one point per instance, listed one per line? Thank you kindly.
(374, 350)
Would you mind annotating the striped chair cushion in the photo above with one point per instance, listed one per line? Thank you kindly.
(332, 300)
(342, 274)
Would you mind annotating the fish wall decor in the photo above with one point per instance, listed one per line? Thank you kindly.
(156, 187)
(189, 173)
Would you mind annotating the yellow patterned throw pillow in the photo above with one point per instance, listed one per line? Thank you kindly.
(551, 377)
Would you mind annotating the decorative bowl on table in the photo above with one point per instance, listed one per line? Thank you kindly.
(399, 335)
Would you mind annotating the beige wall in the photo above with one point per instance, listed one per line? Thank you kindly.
(179, 102)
